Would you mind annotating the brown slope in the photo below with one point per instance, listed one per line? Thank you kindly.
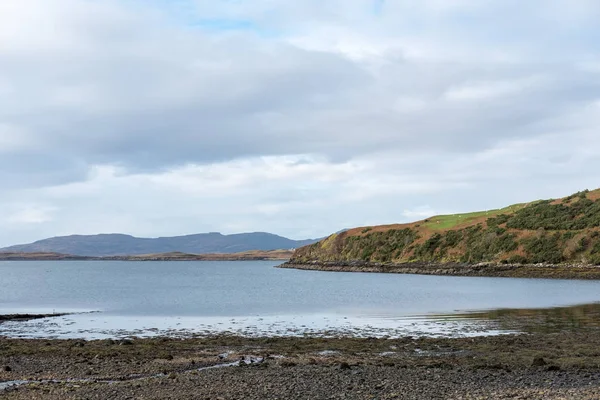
(561, 231)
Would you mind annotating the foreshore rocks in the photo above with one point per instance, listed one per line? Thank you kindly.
(571, 271)
(536, 366)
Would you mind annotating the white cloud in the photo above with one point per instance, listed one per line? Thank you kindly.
(419, 213)
(489, 90)
(159, 118)
(13, 138)
(30, 214)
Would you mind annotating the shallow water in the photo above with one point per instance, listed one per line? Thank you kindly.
(253, 298)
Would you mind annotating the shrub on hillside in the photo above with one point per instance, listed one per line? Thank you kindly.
(497, 220)
(579, 214)
(544, 249)
(378, 246)
(488, 245)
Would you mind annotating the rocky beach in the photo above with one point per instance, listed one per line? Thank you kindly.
(542, 270)
(558, 365)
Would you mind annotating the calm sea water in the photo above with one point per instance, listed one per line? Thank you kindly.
(187, 298)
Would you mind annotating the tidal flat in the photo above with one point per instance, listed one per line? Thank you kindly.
(549, 361)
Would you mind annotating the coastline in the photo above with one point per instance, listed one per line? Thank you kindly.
(271, 255)
(27, 317)
(542, 271)
(541, 359)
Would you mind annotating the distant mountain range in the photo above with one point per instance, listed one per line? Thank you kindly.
(118, 244)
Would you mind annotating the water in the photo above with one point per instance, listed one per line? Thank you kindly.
(253, 298)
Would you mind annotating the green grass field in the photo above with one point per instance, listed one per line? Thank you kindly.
(443, 222)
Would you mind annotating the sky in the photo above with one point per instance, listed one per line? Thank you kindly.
(300, 118)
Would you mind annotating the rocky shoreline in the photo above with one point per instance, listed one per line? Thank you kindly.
(550, 366)
(547, 271)
(27, 317)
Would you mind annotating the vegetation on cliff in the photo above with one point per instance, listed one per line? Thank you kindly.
(549, 231)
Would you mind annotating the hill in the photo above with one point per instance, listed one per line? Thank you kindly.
(172, 256)
(558, 232)
(9, 256)
(241, 256)
(117, 244)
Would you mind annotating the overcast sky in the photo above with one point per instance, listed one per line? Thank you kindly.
(166, 117)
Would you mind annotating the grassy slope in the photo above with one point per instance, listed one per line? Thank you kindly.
(554, 231)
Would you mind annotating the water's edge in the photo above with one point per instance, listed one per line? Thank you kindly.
(545, 271)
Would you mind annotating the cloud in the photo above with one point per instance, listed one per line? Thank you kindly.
(420, 213)
(30, 214)
(297, 117)
(477, 91)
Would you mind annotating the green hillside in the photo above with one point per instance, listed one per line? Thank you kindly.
(549, 231)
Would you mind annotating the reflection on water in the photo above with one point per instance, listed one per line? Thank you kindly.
(546, 320)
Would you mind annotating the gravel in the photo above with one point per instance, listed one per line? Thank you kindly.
(535, 366)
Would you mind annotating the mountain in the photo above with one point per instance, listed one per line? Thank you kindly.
(559, 232)
(118, 244)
